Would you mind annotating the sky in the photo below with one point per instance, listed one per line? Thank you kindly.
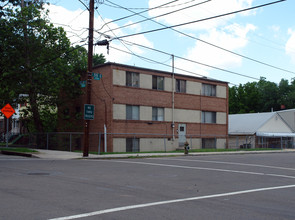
(237, 48)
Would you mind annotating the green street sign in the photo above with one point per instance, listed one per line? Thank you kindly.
(83, 84)
(96, 76)
(88, 112)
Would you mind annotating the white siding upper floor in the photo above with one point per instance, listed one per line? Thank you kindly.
(119, 77)
(180, 115)
(146, 82)
(221, 91)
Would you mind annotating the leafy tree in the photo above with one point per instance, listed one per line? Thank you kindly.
(38, 64)
(269, 95)
(262, 96)
(98, 59)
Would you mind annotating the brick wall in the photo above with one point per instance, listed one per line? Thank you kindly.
(105, 94)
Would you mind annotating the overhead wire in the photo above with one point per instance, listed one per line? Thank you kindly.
(190, 6)
(114, 34)
(193, 61)
(154, 61)
(211, 44)
(157, 6)
(134, 13)
(203, 19)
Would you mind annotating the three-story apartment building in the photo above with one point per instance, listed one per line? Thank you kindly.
(151, 110)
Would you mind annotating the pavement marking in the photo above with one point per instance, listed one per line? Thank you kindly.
(205, 168)
(124, 208)
(229, 163)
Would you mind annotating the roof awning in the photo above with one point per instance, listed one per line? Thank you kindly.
(270, 134)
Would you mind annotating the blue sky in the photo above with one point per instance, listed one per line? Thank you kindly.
(266, 35)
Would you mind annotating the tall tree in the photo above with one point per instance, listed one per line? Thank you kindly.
(38, 64)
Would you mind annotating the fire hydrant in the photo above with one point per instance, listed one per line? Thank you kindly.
(186, 148)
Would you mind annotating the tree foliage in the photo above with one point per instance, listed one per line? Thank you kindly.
(38, 64)
(262, 96)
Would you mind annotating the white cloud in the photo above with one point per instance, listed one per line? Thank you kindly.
(290, 48)
(233, 39)
(275, 28)
(198, 12)
(76, 25)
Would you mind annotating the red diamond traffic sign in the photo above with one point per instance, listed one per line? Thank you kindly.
(7, 110)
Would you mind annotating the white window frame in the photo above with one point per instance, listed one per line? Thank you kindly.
(209, 143)
(208, 90)
(132, 112)
(158, 82)
(209, 117)
(180, 85)
(132, 145)
(158, 114)
(133, 79)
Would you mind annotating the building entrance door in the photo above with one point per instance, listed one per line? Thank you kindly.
(181, 134)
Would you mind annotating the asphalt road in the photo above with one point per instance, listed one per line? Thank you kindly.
(255, 186)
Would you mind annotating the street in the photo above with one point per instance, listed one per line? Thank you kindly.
(254, 186)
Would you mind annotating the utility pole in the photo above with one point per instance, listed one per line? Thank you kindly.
(89, 76)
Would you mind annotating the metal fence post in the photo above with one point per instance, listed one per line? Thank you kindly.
(70, 142)
(99, 141)
(165, 144)
(47, 140)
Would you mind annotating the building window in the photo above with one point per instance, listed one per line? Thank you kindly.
(158, 82)
(132, 144)
(132, 79)
(158, 114)
(208, 143)
(208, 90)
(132, 112)
(180, 85)
(209, 117)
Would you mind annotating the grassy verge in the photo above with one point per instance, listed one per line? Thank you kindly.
(192, 150)
(20, 150)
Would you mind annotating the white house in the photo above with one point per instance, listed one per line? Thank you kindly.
(260, 130)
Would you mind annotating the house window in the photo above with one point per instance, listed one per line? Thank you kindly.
(132, 144)
(158, 82)
(209, 117)
(132, 112)
(132, 79)
(158, 114)
(180, 85)
(208, 143)
(208, 90)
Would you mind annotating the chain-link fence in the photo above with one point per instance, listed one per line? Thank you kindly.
(118, 142)
(248, 142)
(138, 142)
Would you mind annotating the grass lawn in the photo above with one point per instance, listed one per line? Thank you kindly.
(20, 150)
(192, 150)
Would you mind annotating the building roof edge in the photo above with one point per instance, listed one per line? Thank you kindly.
(159, 71)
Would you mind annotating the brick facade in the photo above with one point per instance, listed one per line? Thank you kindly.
(110, 95)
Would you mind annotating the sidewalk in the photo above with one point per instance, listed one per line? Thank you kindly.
(64, 155)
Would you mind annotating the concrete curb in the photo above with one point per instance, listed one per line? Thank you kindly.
(64, 155)
(12, 153)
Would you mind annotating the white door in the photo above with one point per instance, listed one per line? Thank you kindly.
(181, 134)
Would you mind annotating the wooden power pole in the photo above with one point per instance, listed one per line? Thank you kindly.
(89, 76)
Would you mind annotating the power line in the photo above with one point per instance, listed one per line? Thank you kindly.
(147, 19)
(216, 46)
(193, 61)
(138, 13)
(113, 32)
(148, 8)
(200, 20)
(187, 70)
